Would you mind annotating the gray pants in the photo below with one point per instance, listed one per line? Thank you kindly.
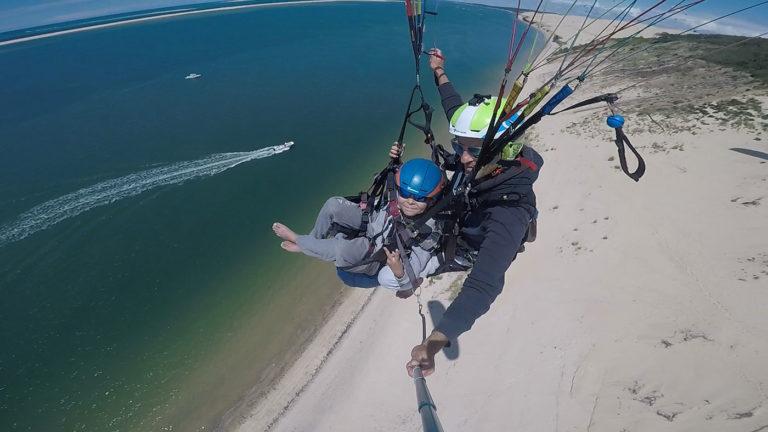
(338, 249)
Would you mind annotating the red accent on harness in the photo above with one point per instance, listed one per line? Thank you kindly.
(527, 163)
(393, 210)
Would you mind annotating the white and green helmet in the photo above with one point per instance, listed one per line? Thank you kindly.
(471, 119)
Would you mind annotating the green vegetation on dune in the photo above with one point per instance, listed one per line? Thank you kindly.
(704, 79)
(669, 50)
(750, 56)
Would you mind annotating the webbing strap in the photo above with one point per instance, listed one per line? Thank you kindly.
(376, 191)
(401, 231)
(526, 162)
(366, 210)
(608, 97)
(622, 139)
(438, 152)
(426, 127)
(409, 112)
(391, 195)
(449, 248)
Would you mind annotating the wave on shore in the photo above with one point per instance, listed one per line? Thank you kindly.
(54, 211)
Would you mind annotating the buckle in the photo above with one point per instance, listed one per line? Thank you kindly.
(477, 99)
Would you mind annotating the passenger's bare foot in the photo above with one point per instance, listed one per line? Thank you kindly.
(284, 232)
(290, 246)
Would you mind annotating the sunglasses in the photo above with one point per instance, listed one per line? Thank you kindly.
(407, 194)
(459, 149)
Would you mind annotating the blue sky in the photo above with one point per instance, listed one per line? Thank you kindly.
(19, 14)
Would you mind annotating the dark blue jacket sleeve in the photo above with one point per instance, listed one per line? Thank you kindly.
(504, 229)
(450, 98)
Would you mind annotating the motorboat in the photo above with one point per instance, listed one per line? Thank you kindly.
(283, 147)
(192, 76)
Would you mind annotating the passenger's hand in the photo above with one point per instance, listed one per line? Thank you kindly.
(395, 263)
(436, 59)
(396, 151)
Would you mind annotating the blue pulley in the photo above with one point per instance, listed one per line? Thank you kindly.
(615, 121)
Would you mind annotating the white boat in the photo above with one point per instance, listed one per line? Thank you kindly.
(283, 147)
(192, 76)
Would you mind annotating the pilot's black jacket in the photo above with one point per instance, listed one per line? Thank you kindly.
(495, 227)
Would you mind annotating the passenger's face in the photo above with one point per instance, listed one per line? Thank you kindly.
(468, 145)
(410, 207)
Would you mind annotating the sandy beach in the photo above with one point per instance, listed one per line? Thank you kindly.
(640, 307)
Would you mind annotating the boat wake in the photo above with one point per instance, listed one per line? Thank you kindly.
(70, 205)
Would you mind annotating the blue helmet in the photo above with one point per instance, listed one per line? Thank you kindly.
(419, 179)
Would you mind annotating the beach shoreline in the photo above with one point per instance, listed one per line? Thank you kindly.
(637, 329)
(266, 412)
(168, 15)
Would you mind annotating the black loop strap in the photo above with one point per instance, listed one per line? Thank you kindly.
(426, 127)
(622, 139)
(409, 112)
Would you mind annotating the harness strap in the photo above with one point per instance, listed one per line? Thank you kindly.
(372, 255)
(427, 126)
(527, 163)
(442, 157)
(608, 97)
(449, 245)
(400, 233)
(366, 209)
(376, 198)
(503, 173)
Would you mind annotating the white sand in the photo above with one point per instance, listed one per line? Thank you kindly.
(641, 306)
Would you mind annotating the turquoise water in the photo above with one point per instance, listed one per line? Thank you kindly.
(142, 287)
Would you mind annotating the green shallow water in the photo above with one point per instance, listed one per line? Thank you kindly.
(165, 308)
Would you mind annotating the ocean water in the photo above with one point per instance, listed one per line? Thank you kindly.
(142, 286)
